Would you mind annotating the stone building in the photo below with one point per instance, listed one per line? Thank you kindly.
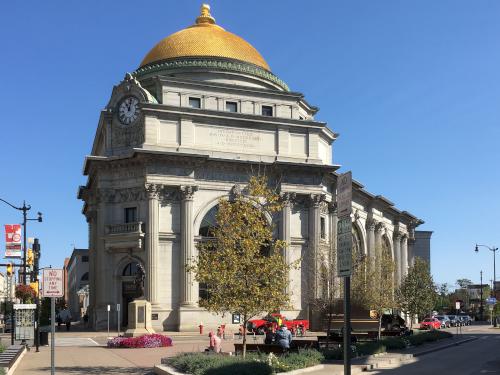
(78, 278)
(200, 115)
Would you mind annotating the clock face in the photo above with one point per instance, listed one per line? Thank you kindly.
(127, 110)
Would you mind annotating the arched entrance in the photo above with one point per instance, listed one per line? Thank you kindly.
(129, 291)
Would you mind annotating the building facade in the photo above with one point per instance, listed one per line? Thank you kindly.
(189, 127)
(78, 279)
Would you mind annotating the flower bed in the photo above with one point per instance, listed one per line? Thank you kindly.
(145, 341)
(254, 364)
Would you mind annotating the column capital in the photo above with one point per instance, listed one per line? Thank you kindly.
(379, 227)
(370, 224)
(397, 235)
(316, 199)
(187, 192)
(287, 198)
(153, 191)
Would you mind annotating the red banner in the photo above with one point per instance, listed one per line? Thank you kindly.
(13, 241)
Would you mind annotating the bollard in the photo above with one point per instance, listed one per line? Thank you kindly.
(201, 328)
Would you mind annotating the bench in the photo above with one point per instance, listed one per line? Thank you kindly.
(260, 348)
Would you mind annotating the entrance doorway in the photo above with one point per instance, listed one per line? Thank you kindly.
(129, 290)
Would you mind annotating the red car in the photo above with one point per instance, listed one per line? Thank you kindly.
(430, 323)
(273, 321)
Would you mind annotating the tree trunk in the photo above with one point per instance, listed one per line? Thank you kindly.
(329, 327)
(244, 336)
(379, 326)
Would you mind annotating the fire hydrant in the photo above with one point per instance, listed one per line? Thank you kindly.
(201, 328)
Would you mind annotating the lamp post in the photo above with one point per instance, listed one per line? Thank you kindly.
(25, 208)
(494, 250)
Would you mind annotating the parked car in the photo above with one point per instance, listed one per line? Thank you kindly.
(454, 321)
(466, 320)
(445, 321)
(430, 323)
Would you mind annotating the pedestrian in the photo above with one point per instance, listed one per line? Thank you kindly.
(283, 338)
(65, 316)
(269, 338)
(215, 342)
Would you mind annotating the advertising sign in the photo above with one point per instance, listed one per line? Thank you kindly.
(13, 241)
(491, 301)
(53, 285)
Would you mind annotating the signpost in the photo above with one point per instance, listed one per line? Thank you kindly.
(53, 287)
(118, 317)
(344, 256)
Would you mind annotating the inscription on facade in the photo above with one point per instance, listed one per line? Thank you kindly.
(234, 138)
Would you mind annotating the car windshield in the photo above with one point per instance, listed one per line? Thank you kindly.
(427, 320)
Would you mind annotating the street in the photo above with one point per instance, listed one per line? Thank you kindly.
(481, 356)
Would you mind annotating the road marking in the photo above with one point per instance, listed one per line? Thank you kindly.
(75, 341)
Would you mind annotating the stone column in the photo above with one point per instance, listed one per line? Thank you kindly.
(333, 219)
(314, 234)
(188, 294)
(397, 256)
(152, 246)
(404, 256)
(285, 228)
(91, 217)
(370, 234)
(379, 230)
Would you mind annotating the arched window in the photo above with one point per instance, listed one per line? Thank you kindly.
(209, 222)
(130, 269)
(357, 248)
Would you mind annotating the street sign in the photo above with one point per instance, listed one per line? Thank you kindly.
(344, 194)
(344, 246)
(53, 285)
(491, 300)
(457, 305)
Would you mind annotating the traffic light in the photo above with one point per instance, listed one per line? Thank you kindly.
(29, 258)
(34, 286)
(9, 269)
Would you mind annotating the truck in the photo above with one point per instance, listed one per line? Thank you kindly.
(274, 321)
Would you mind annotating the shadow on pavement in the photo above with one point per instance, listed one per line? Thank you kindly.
(98, 370)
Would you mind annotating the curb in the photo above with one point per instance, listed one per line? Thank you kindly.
(424, 352)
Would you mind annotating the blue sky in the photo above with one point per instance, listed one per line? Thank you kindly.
(413, 88)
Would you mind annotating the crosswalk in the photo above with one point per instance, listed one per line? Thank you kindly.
(75, 341)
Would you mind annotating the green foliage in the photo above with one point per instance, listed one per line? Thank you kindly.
(422, 338)
(254, 364)
(464, 283)
(369, 348)
(243, 266)
(417, 292)
(395, 343)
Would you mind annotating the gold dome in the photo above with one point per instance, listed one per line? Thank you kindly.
(205, 39)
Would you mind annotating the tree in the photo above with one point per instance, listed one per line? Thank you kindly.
(464, 283)
(243, 265)
(417, 293)
(372, 284)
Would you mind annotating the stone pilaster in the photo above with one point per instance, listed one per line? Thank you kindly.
(152, 247)
(188, 294)
(285, 226)
(314, 236)
(404, 256)
(397, 255)
(379, 231)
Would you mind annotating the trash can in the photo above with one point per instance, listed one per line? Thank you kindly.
(44, 338)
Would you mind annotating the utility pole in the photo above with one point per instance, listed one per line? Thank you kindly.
(481, 305)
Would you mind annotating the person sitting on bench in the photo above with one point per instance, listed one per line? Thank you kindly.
(269, 339)
(283, 337)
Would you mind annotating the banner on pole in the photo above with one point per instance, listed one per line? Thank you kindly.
(13, 241)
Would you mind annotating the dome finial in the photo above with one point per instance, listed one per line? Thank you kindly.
(205, 16)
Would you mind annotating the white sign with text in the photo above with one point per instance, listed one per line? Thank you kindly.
(53, 285)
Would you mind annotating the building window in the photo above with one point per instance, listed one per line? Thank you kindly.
(267, 110)
(85, 258)
(323, 228)
(231, 107)
(130, 214)
(130, 269)
(195, 102)
(85, 277)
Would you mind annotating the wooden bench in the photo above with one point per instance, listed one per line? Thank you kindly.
(260, 348)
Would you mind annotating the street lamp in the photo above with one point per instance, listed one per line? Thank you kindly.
(494, 249)
(25, 208)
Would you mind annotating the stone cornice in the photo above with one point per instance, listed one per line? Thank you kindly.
(212, 64)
